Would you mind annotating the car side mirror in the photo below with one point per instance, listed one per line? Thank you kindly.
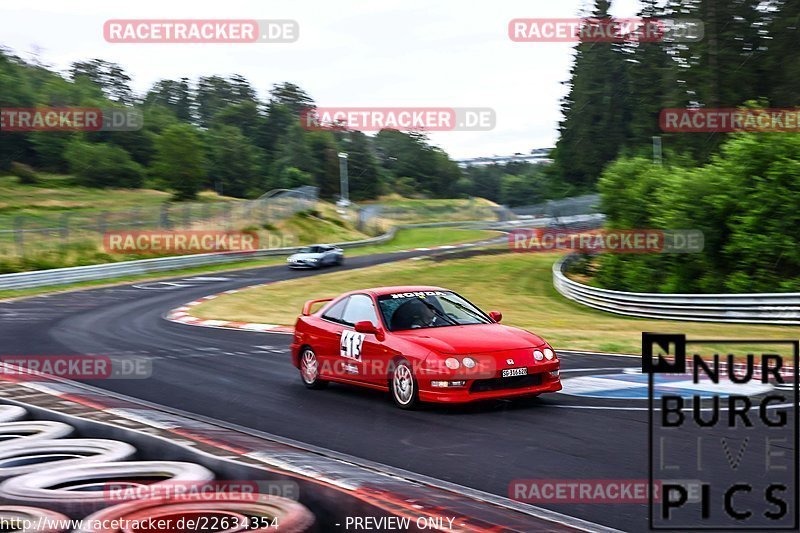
(365, 326)
(497, 316)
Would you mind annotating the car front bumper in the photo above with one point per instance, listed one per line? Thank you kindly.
(302, 264)
(493, 388)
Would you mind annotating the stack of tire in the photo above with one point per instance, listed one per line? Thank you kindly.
(48, 477)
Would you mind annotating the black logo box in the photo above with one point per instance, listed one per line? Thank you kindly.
(678, 366)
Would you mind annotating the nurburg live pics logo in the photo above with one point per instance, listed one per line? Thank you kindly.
(723, 433)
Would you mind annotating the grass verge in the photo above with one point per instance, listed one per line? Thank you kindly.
(404, 239)
(518, 285)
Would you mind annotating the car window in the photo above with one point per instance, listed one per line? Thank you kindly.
(360, 308)
(336, 310)
(426, 309)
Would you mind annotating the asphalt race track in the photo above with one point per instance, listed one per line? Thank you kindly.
(246, 378)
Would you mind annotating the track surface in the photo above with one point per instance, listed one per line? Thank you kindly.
(247, 378)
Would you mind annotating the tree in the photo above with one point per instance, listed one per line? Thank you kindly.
(293, 151)
(102, 165)
(109, 77)
(233, 161)
(362, 167)
(180, 160)
(215, 93)
(174, 95)
(781, 66)
(292, 97)
(596, 109)
(322, 145)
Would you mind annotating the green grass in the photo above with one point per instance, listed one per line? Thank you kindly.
(411, 238)
(56, 194)
(407, 238)
(414, 210)
(518, 285)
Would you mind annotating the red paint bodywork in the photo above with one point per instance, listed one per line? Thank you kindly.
(491, 345)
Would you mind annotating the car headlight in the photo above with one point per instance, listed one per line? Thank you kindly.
(549, 354)
(469, 362)
(313, 259)
(538, 355)
(452, 363)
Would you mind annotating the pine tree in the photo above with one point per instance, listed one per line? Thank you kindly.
(596, 109)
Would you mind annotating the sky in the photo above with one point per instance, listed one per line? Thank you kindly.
(356, 53)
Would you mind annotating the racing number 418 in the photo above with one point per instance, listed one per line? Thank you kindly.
(351, 344)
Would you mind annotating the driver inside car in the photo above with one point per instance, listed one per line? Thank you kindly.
(414, 314)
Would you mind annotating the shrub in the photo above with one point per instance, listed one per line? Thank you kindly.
(25, 173)
(103, 165)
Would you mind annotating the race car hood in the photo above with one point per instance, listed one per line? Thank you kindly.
(472, 339)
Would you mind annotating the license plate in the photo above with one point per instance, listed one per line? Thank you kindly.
(511, 372)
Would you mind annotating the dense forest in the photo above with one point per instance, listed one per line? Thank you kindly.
(741, 189)
(616, 90)
(215, 133)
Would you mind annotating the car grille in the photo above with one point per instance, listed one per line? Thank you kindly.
(516, 382)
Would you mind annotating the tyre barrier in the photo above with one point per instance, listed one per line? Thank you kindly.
(15, 432)
(17, 459)
(11, 413)
(254, 513)
(79, 489)
(31, 520)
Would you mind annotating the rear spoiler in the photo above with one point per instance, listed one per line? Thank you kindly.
(309, 304)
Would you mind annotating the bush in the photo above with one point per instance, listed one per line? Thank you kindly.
(103, 165)
(25, 173)
(746, 202)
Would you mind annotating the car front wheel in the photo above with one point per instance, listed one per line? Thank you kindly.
(405, 392)
(309, 370)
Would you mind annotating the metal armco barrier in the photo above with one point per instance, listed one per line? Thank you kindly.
(66, 276)
(766, 308)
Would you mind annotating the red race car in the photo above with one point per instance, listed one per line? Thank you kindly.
(422, 344)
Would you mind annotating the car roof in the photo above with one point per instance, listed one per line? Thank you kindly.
(380, 291)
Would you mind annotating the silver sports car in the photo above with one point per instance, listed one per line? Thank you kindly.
(316, 256)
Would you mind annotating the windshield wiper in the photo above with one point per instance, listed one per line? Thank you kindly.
(438, 313)
(466, 309)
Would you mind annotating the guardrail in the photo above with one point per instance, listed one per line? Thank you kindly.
(66, 276)
(766, 308)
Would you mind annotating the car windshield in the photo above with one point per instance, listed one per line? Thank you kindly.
(309, 250)
(428, 309)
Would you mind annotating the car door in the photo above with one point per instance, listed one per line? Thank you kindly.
(363, 352)
(328, 339)
(327, 258)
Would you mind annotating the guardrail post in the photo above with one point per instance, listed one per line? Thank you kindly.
(64, 232)
(165, 216)
(19, 235)
(102, 222)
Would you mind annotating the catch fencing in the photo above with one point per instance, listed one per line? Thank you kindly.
(24, 236)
